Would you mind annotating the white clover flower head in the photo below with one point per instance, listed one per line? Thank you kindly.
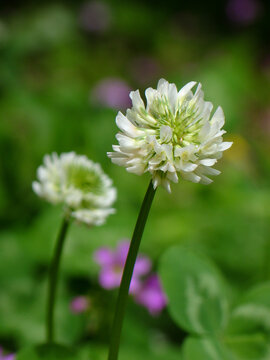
(171, 137)
(79, 184)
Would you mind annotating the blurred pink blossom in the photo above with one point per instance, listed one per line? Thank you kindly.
(151, 295)
(6, 357)
(79, 304)
(145, 285)
(95, 16)
(113, 93)
(243, 11)
(112, 264)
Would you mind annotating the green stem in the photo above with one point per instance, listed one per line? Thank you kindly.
(266, 265)
(53, 278)
(127, 274)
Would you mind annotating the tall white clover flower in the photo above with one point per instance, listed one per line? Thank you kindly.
(78, 183)
(172, 136)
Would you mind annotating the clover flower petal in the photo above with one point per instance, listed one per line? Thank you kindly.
(151, 295)
(171, 137)
(79, 184)
(6, 357)
(145, 285)
(79, 304)
(112, 264)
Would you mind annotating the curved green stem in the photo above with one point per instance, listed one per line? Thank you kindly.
(53, 278)
(265, 263)
(127, 274)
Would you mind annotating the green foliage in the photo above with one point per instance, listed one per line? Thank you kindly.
(248, 333)
(197, 297)
(49, 65)
(131, 353)
(205, 348)
(47, 352)
(244, 335)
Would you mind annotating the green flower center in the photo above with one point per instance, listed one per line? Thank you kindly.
(185, 122)
(84, 179)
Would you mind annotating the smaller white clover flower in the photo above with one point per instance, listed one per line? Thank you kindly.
(79, 184)
(171, 137)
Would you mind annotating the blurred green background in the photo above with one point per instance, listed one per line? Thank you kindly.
(57, 60)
